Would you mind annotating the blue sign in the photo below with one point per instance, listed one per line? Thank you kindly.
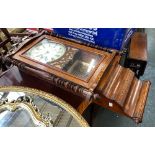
(115, 38)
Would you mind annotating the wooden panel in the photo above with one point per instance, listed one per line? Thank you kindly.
(107, 74)
(108, 104)
(140, 106)
(132, 97)
(138, 47)
(117, 84)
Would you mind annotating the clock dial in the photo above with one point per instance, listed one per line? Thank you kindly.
(46, 51)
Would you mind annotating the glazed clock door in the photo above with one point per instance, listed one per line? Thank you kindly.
(71, 61)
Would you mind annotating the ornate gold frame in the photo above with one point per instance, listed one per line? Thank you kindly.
(33, 111)
(31, 108)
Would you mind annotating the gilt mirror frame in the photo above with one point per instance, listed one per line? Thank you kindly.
(33, 111)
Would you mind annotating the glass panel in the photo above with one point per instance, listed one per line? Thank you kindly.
(72, 60)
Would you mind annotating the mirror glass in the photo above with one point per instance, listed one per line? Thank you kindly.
(27, 109)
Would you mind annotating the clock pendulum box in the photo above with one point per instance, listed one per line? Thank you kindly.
(80, 75)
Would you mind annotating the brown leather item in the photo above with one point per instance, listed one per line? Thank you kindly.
(123, 92)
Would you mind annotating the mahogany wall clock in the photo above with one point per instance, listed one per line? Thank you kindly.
(71, 61)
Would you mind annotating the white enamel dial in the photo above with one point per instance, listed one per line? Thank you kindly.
(46, 51)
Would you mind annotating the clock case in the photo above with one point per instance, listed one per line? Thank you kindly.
(89, 83)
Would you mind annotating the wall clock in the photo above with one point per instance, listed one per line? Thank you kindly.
(71, 61)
